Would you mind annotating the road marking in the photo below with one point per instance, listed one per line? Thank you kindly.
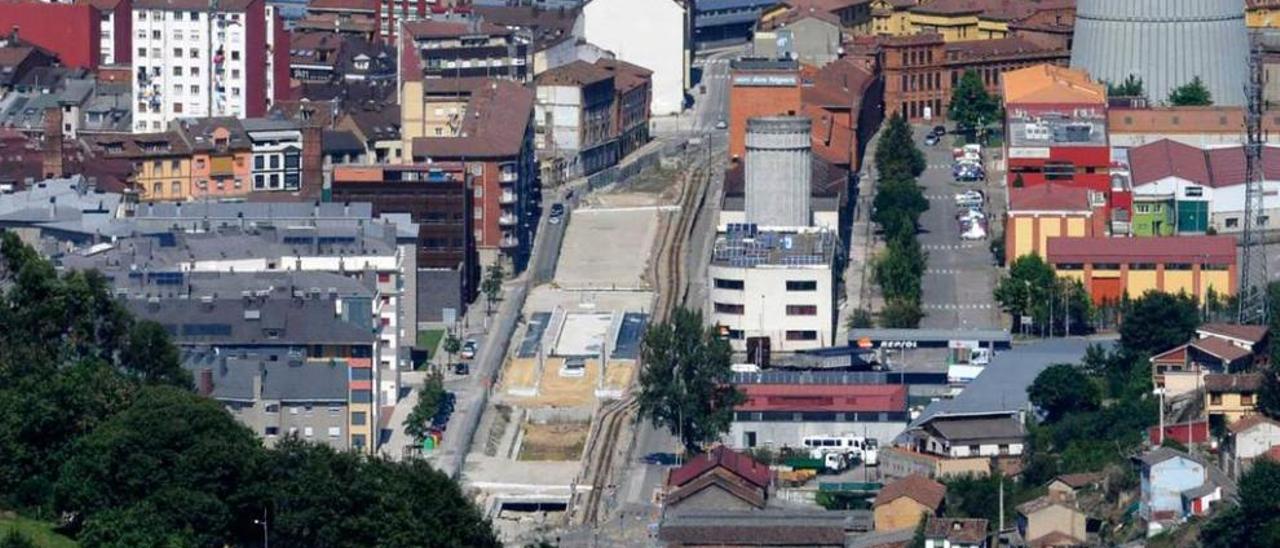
(942, 271)
(951, 306)
(619, 209)
(948, 247)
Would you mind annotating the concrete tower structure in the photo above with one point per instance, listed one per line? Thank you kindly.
(777, 171)
(1166, 43)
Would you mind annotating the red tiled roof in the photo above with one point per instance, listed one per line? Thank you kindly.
(1220, 348)
(1000, 47)
(578, 73)
(1177, 354)
(1273, 453)
(1232, 383)
(1248, 333)
(1179, 249)
(923, 490)
(723, 479)
(740, 464)
(1076, 481)
(626, 76)
(867, 398)
(1049, 197)
(1249, 421)
(1217, 167)
(497, 118)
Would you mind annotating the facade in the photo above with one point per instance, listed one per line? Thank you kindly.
(161, 162)
(1110, 268)
(1176, 485)
(439, 199)
(1251, 438)
(1189, 190)
(71, 31)
(494, 140)
(206, 59)
(556, 31)
(573, 118)
(1047, 517)
(962, 437)
(633, 95)
(1183, 369)
(1231, 396)
(902, 504)
(760, 87)
(463, 48)
(221, 157)
(777, 286)
(1056, 123)
(719, 480)
(664, 27)
(812, 38)
(722, 22)
(277, 148)
(1166, 44)
(115, 32)
(1201, 127)
(782, 415)
(920, 70)
(955, 533)
(1048, 211)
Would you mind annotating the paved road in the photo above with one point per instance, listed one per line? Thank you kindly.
(958, 282)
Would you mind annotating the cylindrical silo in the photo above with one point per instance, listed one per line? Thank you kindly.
(778, 165)
(1166, 43)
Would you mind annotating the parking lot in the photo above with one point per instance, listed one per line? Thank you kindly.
(961, 274)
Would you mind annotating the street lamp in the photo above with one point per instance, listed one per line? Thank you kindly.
(266, 540)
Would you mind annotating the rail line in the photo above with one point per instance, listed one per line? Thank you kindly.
(602, 449)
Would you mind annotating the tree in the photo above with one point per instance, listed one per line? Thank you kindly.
(918, 538)
(14, 539)
(898, 269)
(152, 358)
(452, 345)
(1018, 182)
(1061, 389)
(860, 318)
(1025, 285)
(1191, 94)
(1158, 321)
(1269, 394)
(168, 445)
(897, 155)
(901, 313)
(971, 106)
(1256, 521)
(492, 285)
(1130, 87)
(432, 395)
(685, 384)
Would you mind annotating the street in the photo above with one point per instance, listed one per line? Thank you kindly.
(961, 275)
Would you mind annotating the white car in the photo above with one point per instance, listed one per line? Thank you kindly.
(969, 198)
(975, 232)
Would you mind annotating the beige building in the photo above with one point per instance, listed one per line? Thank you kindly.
(901, 504)
(1046, 518)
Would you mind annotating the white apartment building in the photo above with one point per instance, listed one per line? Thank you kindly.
(197, 58)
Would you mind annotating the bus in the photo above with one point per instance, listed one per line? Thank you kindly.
(864, 449)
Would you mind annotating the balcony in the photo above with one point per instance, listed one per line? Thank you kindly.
(508, 177)
(509, 241)
(507, 219)
(507, 198)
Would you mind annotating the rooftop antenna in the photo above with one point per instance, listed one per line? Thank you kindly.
(1253, 271)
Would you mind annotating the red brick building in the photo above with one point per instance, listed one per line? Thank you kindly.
(920, 70)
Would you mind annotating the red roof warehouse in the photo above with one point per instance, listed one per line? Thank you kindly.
(1113, 267)
(863, 398)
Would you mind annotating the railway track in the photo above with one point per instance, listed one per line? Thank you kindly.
(602, 449)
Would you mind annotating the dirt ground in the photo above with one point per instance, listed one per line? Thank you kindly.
(558, 391)
(558, 441)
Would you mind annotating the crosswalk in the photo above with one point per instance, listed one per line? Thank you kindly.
(947, 247)
(938, 197)
(942, 271)
(953, 306)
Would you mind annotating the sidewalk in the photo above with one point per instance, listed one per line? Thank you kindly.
(858, 285)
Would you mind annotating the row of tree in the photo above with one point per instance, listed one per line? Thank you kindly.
(1190, 94)
(100, 428)
(897, 207)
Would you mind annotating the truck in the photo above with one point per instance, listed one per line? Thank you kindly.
(848, 448)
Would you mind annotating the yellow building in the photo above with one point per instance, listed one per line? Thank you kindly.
(1110, 268)
(432, 108)
(892, 17)
(1262, 14)
(955, 21)
(1049, 211)
(901, 504)
(161, 162)
(1231, 396)
(855, 15)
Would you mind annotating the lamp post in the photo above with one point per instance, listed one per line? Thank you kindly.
(266, 539)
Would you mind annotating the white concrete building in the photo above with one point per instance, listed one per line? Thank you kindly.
(654, 34)
(780, 286)
(1201, 188)
(277, 153)
(197, 58)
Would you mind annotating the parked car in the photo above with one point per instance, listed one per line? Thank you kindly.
(469, 349)
(969, 199)
(930, 139)
(661, 459)
(721, 124)
(462, 368)
(939, 130)
(557, 211)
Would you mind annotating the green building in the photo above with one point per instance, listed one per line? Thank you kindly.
(1163, 216)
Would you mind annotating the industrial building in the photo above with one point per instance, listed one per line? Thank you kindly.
(782, 414)
(773, 277)
(1183, 189)
(1166, 44)
(1111, 268)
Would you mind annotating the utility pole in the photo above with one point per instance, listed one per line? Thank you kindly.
(1253, 270)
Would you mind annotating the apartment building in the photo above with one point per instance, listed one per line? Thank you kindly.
(462, 48)
(493, 137)
(197, 58)
(574, 119)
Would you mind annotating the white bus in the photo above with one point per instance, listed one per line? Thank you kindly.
(865, 449)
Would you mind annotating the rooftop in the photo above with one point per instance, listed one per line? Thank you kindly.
(1218, 250)
(1050, 197)
(764, 528)
(1249, 422)
(1046, 83)
(495, 125)
(964, 430)
(282, 377)
(578, 73)
(1252, 334)
(1238, 382)
(744, 247)
(957, 530)
(833, 398)
(548, 26)
(1213, 167)
(740, 464)
(921, 489)
(309, 320)
(1184, 120)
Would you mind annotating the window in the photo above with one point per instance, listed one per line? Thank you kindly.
(195, 71)
(1194, 191)
(1142, 208)
(802, 285)
(308, 431)
(722, 283)
(177, 108)
(357, 441)
(142, 52)
(177, 71)
(1215, 398)
(1263, 220)
(273, 408)
(335, 431)
(726, 308)
(357, 418)
(802, 310)
(1142, 266)
(271, 431)
(235, 92)
(177, 52)
(195, 90)
(155, 35)
(235, 73)
(235, 55)
(1233, 222)
(177, 188)
(194, 53)
(1246, 398)
(802, 335)
(257, 162)
(975, 449)
(259, 182)
(275, 161)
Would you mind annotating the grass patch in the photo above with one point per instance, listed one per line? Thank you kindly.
(41, 533)
(557, 441)
(429, 340)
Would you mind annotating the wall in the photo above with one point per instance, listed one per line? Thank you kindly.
(764, 298)
(1056, 518)
(72, 31)
(902, 513)
(172, 174)
(649, 33)
(790, 434)
(1027, 234)
(1231, 405)
(1162, 487)
(756, 101)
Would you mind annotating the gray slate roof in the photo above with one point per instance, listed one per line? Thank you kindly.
(282, 379)
(962, 430)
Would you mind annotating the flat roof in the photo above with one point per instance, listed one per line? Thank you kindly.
(743, 246)
(1077, 128)
(929, 335)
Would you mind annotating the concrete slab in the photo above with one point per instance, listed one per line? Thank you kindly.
(607, 248)
(583, 334)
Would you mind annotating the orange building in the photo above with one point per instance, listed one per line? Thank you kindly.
(759, 88)
(220, 158)
(1047, 211)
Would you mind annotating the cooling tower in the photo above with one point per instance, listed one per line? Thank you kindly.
(1166, 43)
(777, 171)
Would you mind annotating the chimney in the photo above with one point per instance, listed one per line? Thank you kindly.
(13, 36)
(206, 381)
(52, 146)
(312, 161)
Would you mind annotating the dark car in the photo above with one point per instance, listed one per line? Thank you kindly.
(661, 459)
(939, 130)
(557, 210)
(930, 139)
